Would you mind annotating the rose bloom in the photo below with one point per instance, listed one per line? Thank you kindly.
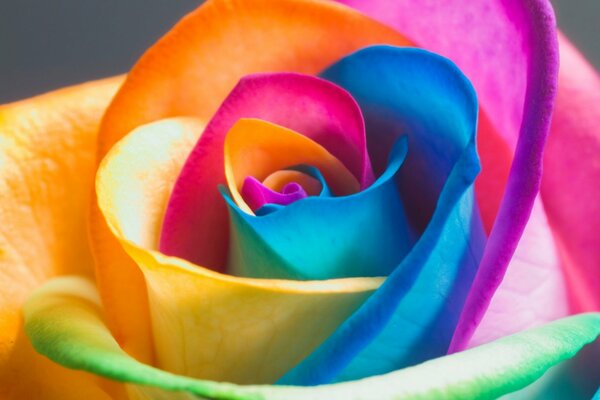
(310, 200)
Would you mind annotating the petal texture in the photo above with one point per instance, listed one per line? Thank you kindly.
(420, 94)
(576, 378)
(47, 164)
(65, 325)
(533, 291)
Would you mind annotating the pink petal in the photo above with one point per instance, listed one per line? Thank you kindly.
(257, 195)
(533, 291)
(571, 182)
(196, 224)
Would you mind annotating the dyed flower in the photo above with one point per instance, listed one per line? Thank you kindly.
(288, 198)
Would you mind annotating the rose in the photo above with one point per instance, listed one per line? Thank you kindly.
(133, 369)
(86, 334)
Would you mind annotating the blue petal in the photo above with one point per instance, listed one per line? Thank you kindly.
(412, 316)
(364, 234)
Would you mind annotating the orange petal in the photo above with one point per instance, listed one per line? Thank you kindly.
(189, 72)
(47, 165)
(194, 66)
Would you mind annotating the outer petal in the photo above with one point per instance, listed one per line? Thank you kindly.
(202, 320)
(47, 149)
(573, 379)
(66, 326)
(538, 261)
(516, 85)
(570, 187)
(192, 68)
(533, 291)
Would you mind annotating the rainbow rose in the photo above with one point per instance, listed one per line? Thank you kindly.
(299, 199)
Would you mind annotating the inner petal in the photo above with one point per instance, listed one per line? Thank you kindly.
(279, 179)
(257, 195)
(283, 187)
(324, 237)
(258, 148)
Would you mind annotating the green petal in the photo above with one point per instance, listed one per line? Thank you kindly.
(64, 323)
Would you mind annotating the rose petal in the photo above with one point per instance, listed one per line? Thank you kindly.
(570, 186)
(276, 179)
(202, 320)
(516, 305)
(496, 157)
(64, 324)
(256, 195)
(130, 192)
(364, 234)
(47, 148)
(533, 291)
(516, 84)
(463, 31)
(254, 147)
(193, 67)
(313, 185)
(412, 316)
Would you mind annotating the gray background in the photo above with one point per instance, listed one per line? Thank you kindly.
(46, 44)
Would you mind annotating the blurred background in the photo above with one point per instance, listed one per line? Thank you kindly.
(48, 44)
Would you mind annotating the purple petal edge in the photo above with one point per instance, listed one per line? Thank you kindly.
(526, 171)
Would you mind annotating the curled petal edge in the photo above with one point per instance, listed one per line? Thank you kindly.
(64, 322)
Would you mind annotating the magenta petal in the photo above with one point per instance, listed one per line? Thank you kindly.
(257, 195)
(195, 226)
(571, 182)
(509, 51)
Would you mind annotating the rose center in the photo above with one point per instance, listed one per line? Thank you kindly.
(282, 188)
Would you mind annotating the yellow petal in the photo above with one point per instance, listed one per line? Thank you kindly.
(47, 166)
(141, 214)
(208, 324)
